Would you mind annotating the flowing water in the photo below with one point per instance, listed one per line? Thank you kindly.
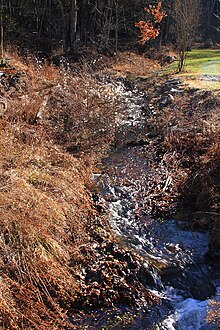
(182, 279)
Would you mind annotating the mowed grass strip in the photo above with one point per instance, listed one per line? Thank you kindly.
(199, 62)
(202, 69)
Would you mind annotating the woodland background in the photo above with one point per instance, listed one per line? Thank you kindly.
(48, 25)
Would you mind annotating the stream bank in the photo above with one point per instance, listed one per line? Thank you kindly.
(59, 259)
(157, 149)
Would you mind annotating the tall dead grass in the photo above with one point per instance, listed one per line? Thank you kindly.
(191, 133)
(43, 212)
(44, 203)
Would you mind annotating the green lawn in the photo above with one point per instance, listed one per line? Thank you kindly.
(202, 67)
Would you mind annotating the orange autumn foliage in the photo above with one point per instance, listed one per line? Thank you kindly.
(148, 28)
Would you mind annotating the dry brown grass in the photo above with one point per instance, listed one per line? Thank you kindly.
(45, 208)
(131, 64)
(191, 131)
(213, 316)
(43, 212)
(44, 203)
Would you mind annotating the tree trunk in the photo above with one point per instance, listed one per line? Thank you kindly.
(109, 22)
(50, 23)
(2, 32)
(73, 24)
(63, 32)
(210, 10)
(116, 25)
(182, 59)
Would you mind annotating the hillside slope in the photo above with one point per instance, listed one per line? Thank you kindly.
(54, 234)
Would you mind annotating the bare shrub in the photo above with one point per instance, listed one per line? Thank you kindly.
(84, 119)
(187, 15)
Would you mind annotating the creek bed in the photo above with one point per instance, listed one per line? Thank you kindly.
(183, 280)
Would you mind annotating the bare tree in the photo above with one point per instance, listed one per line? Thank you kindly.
(116, 24)
(217, 16)
(210, 9)
(187, 17)
(1, 33)
(72, 23)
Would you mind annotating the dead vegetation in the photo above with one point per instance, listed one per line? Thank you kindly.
(132, 65)
(191, 139)
(189, 155)
(48, 218)
(43, 212)
(54, 237)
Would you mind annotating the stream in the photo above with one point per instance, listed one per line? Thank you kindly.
(185, 283)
